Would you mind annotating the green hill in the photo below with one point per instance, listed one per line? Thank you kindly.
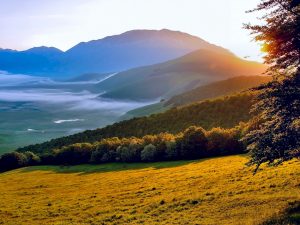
(177, 76)
(223, 112)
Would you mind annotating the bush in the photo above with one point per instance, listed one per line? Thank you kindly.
(193, 143)
(74, 154)
(149, 153)
(12, 160)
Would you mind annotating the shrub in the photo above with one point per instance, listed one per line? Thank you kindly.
(12, 160)
(149, 153)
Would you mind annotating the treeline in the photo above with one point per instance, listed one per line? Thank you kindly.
(193, 143)
(225, 112)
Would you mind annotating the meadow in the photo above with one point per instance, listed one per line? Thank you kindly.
(208, 191)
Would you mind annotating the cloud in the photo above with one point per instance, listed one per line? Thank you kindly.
(8, 80)
(68, 100)
(15, 88)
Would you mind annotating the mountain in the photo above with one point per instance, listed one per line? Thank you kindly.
(223, 112)
(111, 54)
(34, 61)
(176, 76)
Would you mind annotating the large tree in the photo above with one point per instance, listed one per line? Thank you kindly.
(277, 139)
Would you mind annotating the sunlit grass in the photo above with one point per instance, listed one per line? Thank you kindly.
(210, 191)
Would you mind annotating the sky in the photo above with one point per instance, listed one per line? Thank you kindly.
(64, 23)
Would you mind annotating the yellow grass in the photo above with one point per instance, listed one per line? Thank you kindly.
(211, 191)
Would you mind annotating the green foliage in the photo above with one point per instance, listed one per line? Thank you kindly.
(193, 143)
(130, 150)
(149, 153)
(79, 153)
(105, 150)
(277, 138)
(15, 160)
(279, 33)
(172, 150)
(225, 112)
(224, 142)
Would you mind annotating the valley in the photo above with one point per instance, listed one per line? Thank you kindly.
(34, 110)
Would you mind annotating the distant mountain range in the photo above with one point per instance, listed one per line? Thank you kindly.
(111, 54)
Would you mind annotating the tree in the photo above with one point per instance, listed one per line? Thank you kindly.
(193, 143)
(12, 160)
(105, 150)
(172, 151)
(149, 153)
(277, 137)
(74, 154)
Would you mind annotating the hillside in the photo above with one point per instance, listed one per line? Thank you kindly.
(217, 89)
(176, 76)
(223, 112)
(209, 191)
(213, 90)
(131, 49)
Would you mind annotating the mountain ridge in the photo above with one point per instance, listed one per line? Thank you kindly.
(173, 77)
(110, 54)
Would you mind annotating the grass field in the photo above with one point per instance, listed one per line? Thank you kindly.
(209, 191)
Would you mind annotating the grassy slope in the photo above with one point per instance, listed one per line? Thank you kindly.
(210, 191)
(217, 89)
(213, 90)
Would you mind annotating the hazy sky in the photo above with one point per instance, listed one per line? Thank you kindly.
(64, 23)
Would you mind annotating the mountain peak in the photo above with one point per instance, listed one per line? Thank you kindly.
(43, 49)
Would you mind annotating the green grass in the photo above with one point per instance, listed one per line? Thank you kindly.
(108, 167)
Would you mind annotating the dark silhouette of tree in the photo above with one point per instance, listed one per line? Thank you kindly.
(277, 138)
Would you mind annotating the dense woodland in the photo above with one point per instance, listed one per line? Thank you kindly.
(225, 112)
